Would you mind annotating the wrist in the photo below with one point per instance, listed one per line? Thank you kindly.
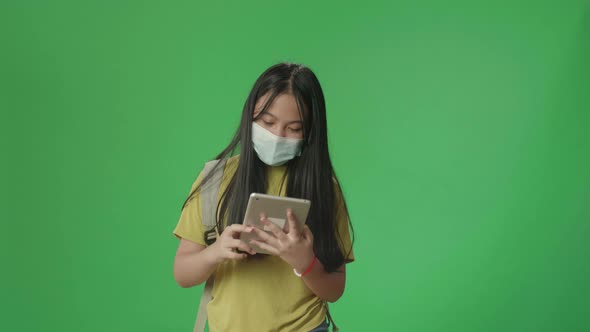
(213, 254)
(304, 270)
(303, 262)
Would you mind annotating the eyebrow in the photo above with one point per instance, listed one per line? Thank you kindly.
(274, 116)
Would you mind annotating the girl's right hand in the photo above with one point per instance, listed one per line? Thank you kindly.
(227, 243)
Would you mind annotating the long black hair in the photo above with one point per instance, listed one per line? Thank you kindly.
(310, 175)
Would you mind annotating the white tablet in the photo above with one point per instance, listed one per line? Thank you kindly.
(275, 209)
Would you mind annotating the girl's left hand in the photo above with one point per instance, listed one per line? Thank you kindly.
(294, 246)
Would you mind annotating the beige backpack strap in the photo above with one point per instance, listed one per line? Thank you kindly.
(209, 193)
(202, 313)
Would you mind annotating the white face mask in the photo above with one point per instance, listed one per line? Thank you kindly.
(274, 150)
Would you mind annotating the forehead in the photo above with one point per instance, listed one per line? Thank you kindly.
(284, 107)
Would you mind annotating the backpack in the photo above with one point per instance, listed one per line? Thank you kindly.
(208, 198)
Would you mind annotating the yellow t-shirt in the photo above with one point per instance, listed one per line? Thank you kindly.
(258, 294)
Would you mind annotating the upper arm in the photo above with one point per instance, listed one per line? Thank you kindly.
(188, 247)
(185, 247)
(190, 223)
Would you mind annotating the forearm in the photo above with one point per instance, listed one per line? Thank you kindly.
(194, 268)
(327, 286)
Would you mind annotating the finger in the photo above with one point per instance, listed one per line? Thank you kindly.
(294, 227)
(279, 233)
(236, 256)
(235, 229)
(265, 246)
(265, 237)
(242, 246)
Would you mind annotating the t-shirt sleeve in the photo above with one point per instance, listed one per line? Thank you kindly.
(190, 224)
(344, 237)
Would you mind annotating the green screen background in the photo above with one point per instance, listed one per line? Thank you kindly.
(459, 130)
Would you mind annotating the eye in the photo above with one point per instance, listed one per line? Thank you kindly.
(267, 123)
(295, 130)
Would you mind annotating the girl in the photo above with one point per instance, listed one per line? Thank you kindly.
(283, 150)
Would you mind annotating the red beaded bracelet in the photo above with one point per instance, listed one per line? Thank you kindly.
(308, 269)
